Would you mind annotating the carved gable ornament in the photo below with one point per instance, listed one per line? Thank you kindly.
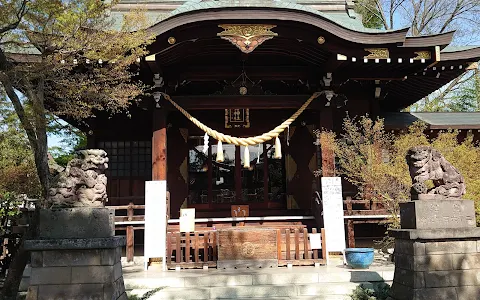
(247, 37)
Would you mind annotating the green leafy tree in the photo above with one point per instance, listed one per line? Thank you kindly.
(374, 162)
(17, 166)
(371, 13)
(68, 58)
(62, 58)
(72, 139)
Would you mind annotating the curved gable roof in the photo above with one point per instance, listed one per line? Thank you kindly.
(278, 11)
(348, 19)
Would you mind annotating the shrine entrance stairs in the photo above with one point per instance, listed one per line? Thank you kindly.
(322, 283)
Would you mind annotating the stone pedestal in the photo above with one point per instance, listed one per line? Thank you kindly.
(76, 256)
(436, 263)
(432, 214)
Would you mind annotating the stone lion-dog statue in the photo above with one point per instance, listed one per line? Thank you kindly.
(426, 163)
(82, 183)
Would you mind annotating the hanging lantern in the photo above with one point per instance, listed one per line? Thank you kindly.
(278, 148)
(220, 157)
(246, 158)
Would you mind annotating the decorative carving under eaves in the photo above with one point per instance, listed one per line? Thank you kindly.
(247, 37)
(422, 55)
(377, 53)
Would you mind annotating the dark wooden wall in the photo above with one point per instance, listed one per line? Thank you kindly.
(177, 168)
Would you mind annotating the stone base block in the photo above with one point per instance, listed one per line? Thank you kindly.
(78, 222)
(442, 266)
(70, 272)
(423, 214)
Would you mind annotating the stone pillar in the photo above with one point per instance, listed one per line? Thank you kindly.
(76, 256)
(437, 251)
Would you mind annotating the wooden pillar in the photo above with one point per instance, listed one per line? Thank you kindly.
(265, 174)
(238, 174)
(159, 145)
(130, 246)
(351, 234)
(210, 176)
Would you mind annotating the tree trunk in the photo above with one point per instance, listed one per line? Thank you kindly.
(36, 96)
(15, 273)
(19, 261)
(41, 162)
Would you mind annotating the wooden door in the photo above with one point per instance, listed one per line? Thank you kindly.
(301, 161)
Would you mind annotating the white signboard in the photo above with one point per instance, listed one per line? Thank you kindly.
(315, 240)
(155, 220)
(333, 214)
(187, 220)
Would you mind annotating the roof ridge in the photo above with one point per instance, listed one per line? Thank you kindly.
(333, 16)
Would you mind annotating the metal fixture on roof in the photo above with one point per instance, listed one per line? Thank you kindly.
(247, 37)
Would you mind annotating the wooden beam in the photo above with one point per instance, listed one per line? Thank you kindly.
(216, 73)
(248, 101)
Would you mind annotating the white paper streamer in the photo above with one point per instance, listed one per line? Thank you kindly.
(258, 153)
(205, 143)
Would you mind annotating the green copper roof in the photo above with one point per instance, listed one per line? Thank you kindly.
(352, 22)
(444, 119)
(451, 48)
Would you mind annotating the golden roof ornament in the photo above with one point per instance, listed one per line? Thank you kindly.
(422, 55)
(377, 53)
(247, 37)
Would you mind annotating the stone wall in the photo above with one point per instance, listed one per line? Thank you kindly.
(76, 274)
(437, 264)
(76, 256)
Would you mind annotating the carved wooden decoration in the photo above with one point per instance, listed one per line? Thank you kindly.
(237, 117)
(422, 55)
(247, 37)
(380, 53)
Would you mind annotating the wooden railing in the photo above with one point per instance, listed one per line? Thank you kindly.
(129, 223)
(198, 249)
(294, 248)
(355, 211)
(192, 250)
(363, 207)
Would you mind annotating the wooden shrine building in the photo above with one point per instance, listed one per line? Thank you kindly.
(242, 68)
